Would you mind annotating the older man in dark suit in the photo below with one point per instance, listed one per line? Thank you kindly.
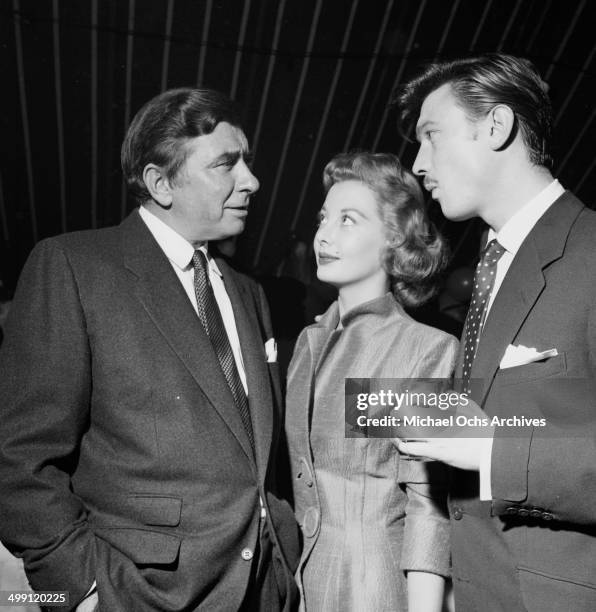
(523, 496)
(139, 394)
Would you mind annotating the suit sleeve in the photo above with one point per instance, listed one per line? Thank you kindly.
(426, 530)
(549, 472)
(44, 407)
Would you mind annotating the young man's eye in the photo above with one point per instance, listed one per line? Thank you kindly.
(321, 219)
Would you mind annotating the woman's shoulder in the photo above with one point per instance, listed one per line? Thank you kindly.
(402, 324)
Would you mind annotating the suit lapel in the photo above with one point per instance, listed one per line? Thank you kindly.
(160, 292)
(260, 398)
(521, 288)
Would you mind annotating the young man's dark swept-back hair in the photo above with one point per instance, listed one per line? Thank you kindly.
(481, 83)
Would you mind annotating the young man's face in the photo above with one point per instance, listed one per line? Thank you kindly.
(453, 157)
(211, 193)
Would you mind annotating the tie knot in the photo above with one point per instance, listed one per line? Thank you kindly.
(199, 261)
(491, 255)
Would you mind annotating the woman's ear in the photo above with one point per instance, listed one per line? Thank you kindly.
(501, 124)
(158, 185)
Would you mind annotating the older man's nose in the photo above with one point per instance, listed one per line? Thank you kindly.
(247, 180)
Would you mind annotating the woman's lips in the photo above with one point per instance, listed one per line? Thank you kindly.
(326, 259)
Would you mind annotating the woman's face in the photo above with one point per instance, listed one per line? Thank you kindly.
(351, 237)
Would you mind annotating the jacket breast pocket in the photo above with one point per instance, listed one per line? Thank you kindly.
(553, 366)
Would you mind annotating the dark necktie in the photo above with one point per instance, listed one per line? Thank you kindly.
(484, 280)
(210, 317)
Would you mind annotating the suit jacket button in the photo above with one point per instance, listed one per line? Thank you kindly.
(457, 513)
(523, 512)
(511, 510)
(535, 513)
(247, 554)
(548, 516)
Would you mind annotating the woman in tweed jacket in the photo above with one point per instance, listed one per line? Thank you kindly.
(375, 526)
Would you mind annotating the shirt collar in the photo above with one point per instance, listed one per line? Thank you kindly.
(176, 248)
(514, 232)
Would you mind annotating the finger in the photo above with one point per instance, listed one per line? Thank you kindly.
(413, 447)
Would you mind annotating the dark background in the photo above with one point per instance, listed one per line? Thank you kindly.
(314, 77)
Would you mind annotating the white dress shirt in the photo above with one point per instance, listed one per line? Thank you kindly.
(180, 252)
(510, 237)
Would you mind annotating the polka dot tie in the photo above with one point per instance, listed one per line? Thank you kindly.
(484, 280)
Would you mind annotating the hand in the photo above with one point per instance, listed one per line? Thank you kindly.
(89, 604)
(457, 445)
(460, 452)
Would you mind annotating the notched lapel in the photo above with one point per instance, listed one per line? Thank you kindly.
(162, 296)
(522, 286)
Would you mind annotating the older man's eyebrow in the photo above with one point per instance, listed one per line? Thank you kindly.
(231, 158)
(248, 156)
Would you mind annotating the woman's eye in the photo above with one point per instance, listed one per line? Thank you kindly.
(321, 219)
(347, 220)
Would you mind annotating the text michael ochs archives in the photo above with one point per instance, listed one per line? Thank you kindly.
(418, 408)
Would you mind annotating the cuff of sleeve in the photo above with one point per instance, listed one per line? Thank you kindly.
(509, 468)
(426, 545)
(485, 469)
(67, 567)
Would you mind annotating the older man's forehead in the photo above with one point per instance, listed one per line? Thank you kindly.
(225, 138)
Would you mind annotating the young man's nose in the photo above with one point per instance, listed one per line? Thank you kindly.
(419, 167)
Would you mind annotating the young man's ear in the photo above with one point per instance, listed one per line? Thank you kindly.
(501, 123)
(158, 185)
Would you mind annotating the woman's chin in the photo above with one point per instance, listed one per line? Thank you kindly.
(326, 276)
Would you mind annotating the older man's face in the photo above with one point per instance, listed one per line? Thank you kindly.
(211, 193)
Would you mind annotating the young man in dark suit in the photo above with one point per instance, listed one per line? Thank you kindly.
(523, 492)
(139, 395)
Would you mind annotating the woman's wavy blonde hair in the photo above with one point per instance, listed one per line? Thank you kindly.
(416, 253)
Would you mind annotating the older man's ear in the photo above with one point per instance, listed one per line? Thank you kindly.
(158, 185)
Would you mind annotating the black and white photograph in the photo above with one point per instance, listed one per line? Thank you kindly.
(298, 306)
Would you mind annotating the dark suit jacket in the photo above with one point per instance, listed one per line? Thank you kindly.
(123, 457)
(534, 547)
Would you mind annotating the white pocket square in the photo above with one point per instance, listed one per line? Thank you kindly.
(271, 350)
(522, 355)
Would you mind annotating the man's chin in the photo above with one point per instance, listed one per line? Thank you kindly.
(456, 215)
